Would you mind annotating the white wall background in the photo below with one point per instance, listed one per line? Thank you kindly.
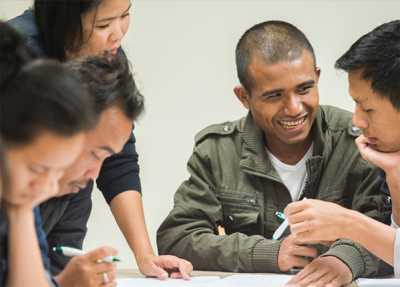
(183, 56)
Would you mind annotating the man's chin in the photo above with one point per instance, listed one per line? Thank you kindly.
(67, 190)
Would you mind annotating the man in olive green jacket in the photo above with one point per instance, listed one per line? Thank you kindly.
(241, 172)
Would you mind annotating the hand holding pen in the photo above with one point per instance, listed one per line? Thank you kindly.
(89, 269)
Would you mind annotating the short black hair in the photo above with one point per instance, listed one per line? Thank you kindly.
(38, 95)
(378, 54)
(60, 25)
(270, 42)
(110, 82)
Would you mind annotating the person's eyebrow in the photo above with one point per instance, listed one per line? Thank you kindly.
(112, 18)
(307, 83)
(108, 149)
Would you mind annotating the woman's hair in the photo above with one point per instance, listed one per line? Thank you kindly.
(60, 24)
(110, 82)
(38, 95)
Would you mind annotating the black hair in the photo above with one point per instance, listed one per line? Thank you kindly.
(269, 42)
(110, 81)
(378, 54)
(38, 95)
(60, 24)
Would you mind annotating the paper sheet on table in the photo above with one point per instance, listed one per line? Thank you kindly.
(254, 281)
(152, 282)
(365, 282)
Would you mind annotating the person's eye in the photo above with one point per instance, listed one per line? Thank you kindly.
(125, 15)
(104, 26)
(304, 89)
(367, 111)
(274, 96)
(34, 170)
(95, 155)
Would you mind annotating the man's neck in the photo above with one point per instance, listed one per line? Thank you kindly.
(290, 154)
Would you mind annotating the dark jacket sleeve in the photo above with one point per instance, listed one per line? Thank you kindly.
(385, 193)
(120, 172)
(71, 229)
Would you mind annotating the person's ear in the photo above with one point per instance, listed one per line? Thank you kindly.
(318, 72)
(243, 96)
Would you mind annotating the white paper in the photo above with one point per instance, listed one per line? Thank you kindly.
(254, 281)
(153, 282)
(366, 282)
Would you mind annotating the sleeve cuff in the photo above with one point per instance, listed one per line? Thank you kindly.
(397, 254)
(350, 255)
(265, 256)
(127, 182)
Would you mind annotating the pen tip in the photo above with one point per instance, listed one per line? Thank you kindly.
(116, 260)
(273, 239)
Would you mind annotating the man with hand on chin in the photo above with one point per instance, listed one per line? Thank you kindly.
(117, 103)
(373, 64)
(286, 148)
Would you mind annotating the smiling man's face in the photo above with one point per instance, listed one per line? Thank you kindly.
(377, 117)
(108, 138)
(284, 101)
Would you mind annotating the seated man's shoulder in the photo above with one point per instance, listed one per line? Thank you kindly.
(340, 120)
(223, 130)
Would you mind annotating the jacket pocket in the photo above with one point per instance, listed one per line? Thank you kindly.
(240, 214)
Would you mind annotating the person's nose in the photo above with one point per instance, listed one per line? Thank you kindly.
(359, 118)
(293, 106)
(94, 171)
(117, 33)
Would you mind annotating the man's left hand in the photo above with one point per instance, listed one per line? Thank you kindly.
(164, 266)
(323, 272)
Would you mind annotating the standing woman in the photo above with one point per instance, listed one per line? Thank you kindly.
(69, 29)
(43, 129)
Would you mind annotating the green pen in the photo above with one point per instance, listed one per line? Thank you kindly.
(281, 215)
(70, 251)
(282, 227)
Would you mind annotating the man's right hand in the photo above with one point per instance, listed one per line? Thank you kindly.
(291, 253)
(85, 271)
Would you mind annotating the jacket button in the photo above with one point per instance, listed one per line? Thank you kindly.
(226, 128)
(355, 129)
(230, 218)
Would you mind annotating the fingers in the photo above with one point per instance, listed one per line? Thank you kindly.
(185, 267)
(110, 279)
(335, 283)
(101, 253)
(306, 251)
(159, 272)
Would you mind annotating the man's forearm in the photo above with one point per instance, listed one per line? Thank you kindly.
(373, 235)
(127, 209)
(393, 181)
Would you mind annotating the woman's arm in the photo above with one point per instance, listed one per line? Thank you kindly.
(25, 261)
(127, 209)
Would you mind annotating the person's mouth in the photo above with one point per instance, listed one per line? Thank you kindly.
(292, 124)
(77, 187)
(114, 50)
(371, 140)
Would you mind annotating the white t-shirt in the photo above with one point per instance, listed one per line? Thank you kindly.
(293, 176)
